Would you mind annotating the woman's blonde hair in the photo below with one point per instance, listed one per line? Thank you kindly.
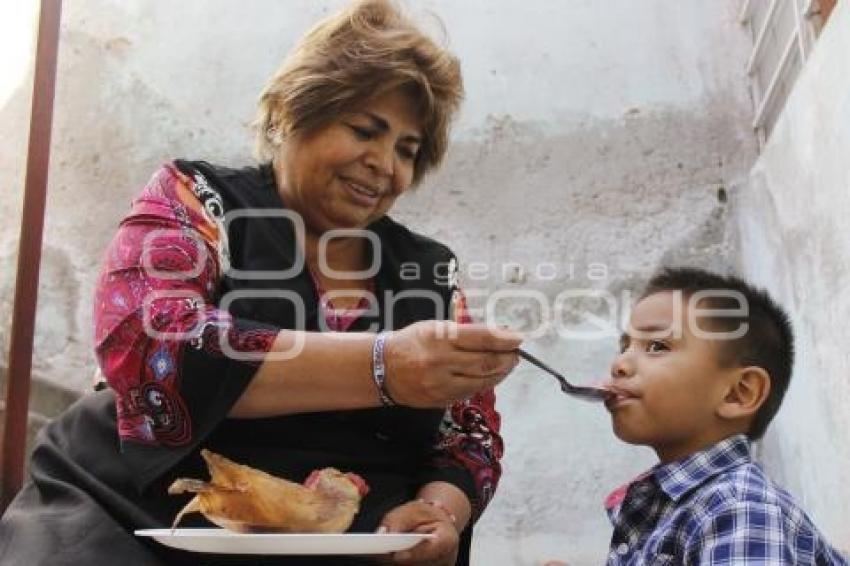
(368, 49)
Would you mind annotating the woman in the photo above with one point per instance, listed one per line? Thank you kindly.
(237, 312)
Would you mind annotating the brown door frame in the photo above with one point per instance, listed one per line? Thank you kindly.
(29, 254)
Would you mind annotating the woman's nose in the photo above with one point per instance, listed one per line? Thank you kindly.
(380, 160)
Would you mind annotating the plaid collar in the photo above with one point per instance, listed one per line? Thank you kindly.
(682, 476)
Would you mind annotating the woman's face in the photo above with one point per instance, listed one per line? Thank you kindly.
(350, 172)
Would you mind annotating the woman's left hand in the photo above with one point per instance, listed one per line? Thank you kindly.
(421, 517)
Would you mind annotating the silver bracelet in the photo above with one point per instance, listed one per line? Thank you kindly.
(379, 372)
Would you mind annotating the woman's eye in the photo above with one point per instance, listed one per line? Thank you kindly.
(656, 346)
(361, 133)
(407, 153)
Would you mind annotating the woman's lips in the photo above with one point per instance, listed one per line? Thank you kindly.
(361, 194)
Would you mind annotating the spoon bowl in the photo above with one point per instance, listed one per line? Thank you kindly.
(584, 392)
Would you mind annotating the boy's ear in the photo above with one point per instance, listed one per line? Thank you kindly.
(747, 393)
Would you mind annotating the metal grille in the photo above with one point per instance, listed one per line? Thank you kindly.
(783, 35)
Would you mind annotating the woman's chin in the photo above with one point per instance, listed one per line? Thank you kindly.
(345, 220)
(353, 216)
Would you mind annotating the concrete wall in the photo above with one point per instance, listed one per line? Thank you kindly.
(795, 241)
(596, 142)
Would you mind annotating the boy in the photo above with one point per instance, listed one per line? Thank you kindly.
(697, 385)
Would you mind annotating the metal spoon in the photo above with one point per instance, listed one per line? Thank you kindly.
(585, 392)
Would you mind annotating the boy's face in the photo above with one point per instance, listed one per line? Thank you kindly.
(667, 381)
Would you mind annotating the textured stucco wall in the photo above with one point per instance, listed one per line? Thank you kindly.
(795, 241)
(596, 143)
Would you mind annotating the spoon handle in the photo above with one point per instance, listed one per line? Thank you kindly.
(529, 358)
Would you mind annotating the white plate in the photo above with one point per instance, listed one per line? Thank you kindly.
(223, 541)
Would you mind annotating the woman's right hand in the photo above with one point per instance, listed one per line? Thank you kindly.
(432, 363)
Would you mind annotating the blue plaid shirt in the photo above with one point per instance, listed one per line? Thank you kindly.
(713, 507)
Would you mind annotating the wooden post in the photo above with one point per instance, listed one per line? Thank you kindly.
(29, 253)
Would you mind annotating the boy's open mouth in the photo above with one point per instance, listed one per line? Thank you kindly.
(619, 397)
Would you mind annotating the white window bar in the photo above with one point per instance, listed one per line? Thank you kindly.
(770, 91)
(802, 35)
(762, 33)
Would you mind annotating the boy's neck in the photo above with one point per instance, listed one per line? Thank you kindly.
(672, 453)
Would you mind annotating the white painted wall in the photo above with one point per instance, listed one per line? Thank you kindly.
(593, 133)
(795, 240)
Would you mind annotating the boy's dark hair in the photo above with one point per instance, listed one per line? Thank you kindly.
(768, 342)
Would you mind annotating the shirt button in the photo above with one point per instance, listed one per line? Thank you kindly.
(622, 549)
